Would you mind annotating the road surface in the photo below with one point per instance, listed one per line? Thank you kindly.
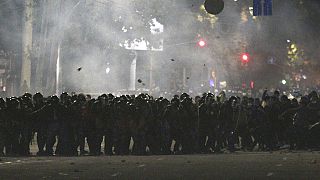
(239, 165)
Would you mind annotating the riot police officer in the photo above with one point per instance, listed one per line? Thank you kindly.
(40, 125)
(2, 126)
(13, 125)
(172, 116)
(26, 124)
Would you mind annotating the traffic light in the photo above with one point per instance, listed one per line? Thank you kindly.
(202, 43)
(245, 58)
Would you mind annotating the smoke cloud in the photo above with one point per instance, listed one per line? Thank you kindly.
(102, 37)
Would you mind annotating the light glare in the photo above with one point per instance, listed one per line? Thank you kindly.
(202, 43)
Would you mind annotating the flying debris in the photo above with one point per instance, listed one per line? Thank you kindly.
(188, 77)
(139, 81)
(79, 69)
(204, 64)
(172, 60)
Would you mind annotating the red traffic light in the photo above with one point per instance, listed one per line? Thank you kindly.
(202, 43)
(245, 58)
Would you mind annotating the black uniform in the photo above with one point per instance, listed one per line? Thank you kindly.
(172, 116)
(13, 126)
(53, 113)
(2, 126)
(26, 126)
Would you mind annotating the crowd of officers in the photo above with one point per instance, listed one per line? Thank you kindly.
(183, 125)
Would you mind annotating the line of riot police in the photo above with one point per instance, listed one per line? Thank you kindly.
(142, 125)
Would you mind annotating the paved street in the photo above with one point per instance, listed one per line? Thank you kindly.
(277, 165)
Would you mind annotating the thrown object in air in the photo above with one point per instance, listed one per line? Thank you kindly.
(214, 6)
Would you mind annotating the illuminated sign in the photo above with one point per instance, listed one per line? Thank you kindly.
(267, 7)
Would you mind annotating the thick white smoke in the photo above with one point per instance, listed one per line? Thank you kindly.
(102, 37)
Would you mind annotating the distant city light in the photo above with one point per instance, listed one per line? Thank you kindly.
(108, 70)
(284, 82)
(245, 57)
(304, 77)
(251, 10)
(223, 84)
(201, 43)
